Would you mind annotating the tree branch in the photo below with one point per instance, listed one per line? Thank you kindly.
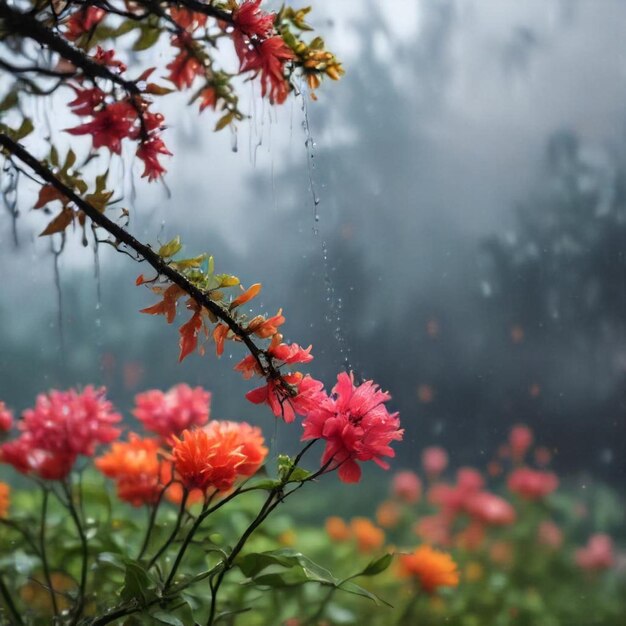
(264, 360)
(26, 25)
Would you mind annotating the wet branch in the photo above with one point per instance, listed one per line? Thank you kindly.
(26, 25)
(162, 268)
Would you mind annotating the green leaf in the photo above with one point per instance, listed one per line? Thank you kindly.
(26, 128)
(170, 248)
(357, 590)
(376, 566)
(70, 159)
(138, 585)
(298, 475)
(194, 262)
(9, 101)
(288, 568)
(149, 36)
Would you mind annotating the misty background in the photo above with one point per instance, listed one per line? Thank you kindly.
(449, 219)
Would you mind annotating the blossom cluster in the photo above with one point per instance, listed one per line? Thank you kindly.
(352, 419)
(62, 426)
(263, 43)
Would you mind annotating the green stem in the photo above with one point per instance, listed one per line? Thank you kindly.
(170, 539)
(8, 600)
(83, 549)
(44, 557)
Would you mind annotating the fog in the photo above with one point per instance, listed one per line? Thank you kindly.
(467, 251)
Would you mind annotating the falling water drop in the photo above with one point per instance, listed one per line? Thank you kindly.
(233, 139)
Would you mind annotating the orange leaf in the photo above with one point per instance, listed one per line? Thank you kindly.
(247, 295)
(219, 336)
(59, 223)
(167, 306)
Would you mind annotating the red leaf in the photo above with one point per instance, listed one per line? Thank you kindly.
(189, 335)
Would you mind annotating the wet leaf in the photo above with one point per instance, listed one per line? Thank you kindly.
(149, 36)
(59, 223)
(170, 248)
(224, 121)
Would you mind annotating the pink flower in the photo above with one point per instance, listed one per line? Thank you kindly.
(532, 484)
(170, 413)
(469, 479)
(6, 418)
(490, 509)
(61, 426)
(356, 426)
(308, 396)
(598, 554)
(434, 461)
(520, 439)
(550, 535)
(407, 486)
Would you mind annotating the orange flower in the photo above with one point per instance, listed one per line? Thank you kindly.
(5, 500)
(135, 466)
(248, 439)
(388, 514)
(205, 459)
(337, 529)
(431, 568)
(368, 536)
(265, 328)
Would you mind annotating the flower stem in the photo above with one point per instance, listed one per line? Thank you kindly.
(44, 556)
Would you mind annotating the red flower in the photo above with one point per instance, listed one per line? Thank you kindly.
(249, 20)
(83, 21)
(268, 57)
(208, 98)
(107, 57)
(109, 126)
(148, 151)
(174, 411)
(532, 484)
(186, 19)
(86, 101)
(308, 396)
(356, 426)
(185, 66)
